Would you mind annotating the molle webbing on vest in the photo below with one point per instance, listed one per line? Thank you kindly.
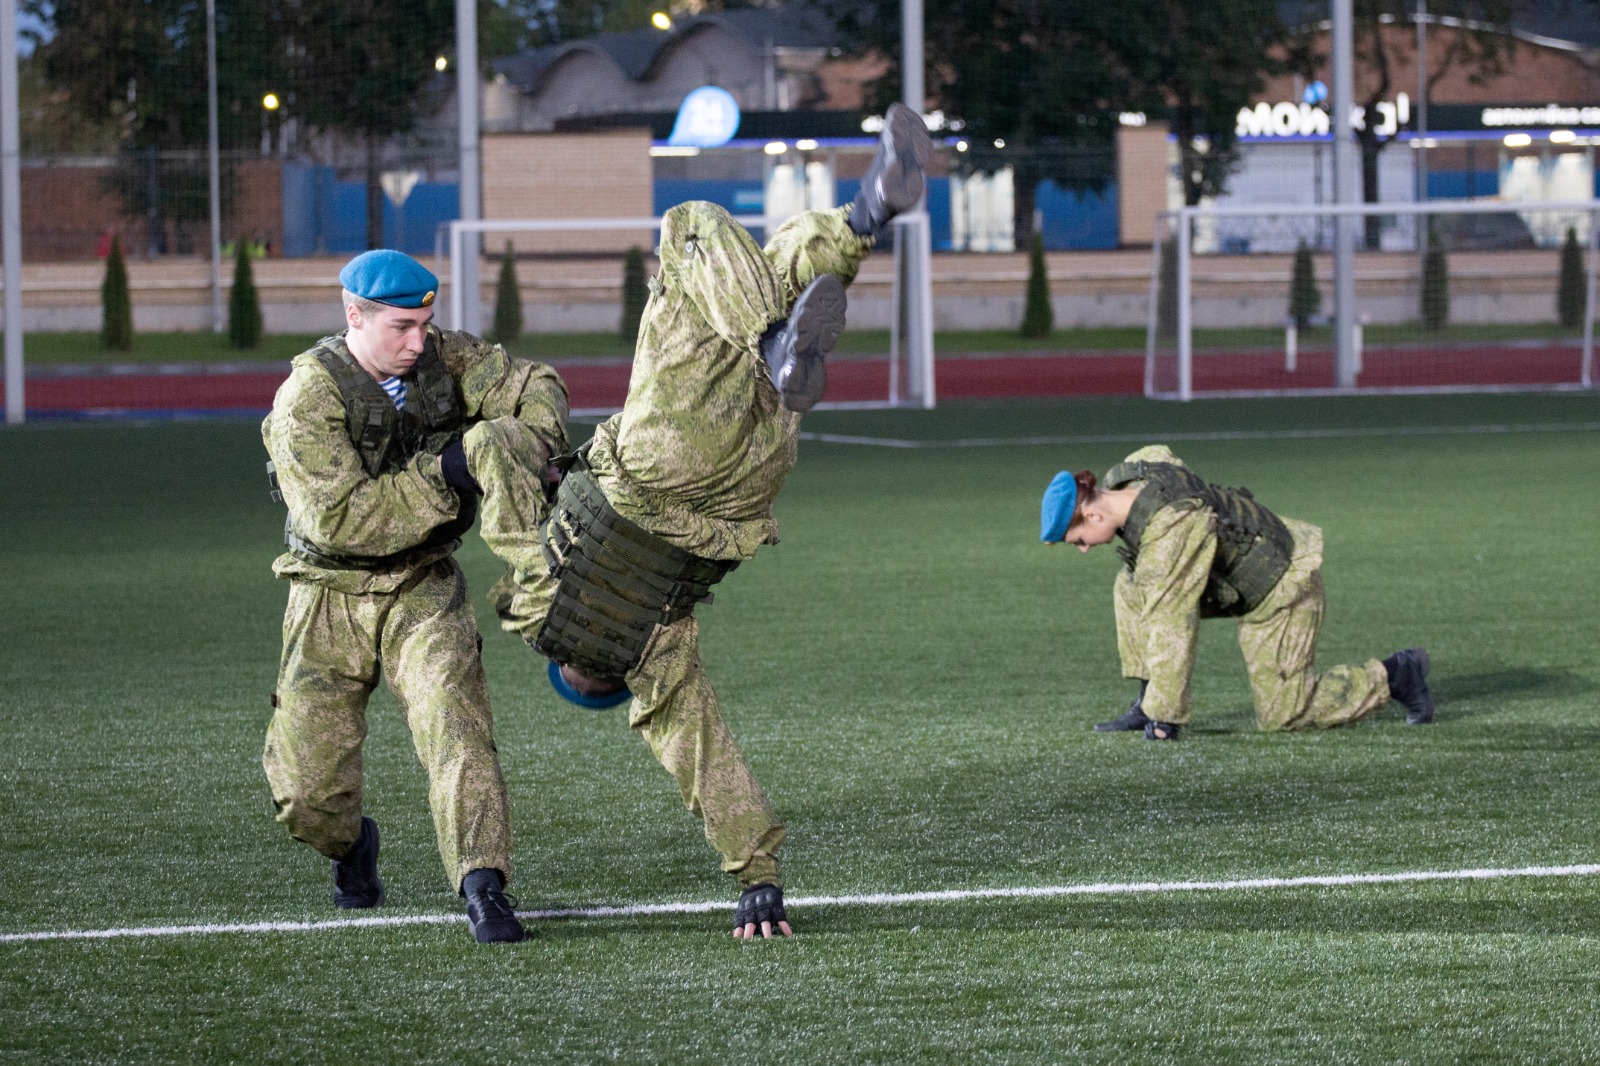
(618, 581)
(1253, 544)
(386, 440)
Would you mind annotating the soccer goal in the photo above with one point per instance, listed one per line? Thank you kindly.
(1446, 297)
(571, 278)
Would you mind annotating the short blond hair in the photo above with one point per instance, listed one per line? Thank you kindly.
(367, 307)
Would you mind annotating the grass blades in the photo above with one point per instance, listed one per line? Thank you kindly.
(912, 676)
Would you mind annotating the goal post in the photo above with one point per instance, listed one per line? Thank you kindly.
(904, 377)
(1449, 297)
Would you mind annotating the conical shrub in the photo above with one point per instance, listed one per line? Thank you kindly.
(507, 301)
(634, 293)
(1571, 291)
(1167, 291)
(1435, 309)
(1038, 318)
(116, 307)
(244, 304)
(1305, 299)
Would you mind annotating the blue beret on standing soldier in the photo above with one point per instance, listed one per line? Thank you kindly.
(366, 439)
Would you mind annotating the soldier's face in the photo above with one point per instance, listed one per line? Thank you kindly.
(387, 342)
(1092, 528)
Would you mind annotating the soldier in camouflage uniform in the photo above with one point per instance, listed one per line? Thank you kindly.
(1194, 551)
(365, 439)
(729, 353)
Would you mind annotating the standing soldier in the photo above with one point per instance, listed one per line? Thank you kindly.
(365, 439)
(1195, 550)
(677, 490)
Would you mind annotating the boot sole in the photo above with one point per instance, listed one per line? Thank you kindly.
(907, 149)
(814, 327)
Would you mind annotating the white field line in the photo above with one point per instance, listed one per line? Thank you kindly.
(876, 899)
(1261, 434)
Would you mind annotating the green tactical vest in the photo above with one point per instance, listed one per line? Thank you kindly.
(1253, 544)
(387, 439)
(617, 580)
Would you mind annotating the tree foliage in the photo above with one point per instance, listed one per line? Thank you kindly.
(1038, 317)
(116, 306)
(351, 67)
(507, 301)
(1199, 61)
(1572, 295)
(1476, 41)
(635, 292)
(1305, 299)
(244, 303)
(1033, 75)
(1049, 78)
(1435, 302)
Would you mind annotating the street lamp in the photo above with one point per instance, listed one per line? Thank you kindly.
(269, 104)
(661, 20)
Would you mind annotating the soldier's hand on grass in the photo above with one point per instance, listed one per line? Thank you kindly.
(760, 907)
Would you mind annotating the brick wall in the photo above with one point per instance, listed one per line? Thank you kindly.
(568, 175)
(69, 207)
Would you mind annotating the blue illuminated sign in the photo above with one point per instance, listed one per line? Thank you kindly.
(708, 117)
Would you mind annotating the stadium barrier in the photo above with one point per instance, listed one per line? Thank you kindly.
(1450, 296)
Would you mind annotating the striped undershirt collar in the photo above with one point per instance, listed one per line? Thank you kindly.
(396, 390)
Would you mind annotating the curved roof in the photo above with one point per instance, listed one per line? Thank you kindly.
(638, 52)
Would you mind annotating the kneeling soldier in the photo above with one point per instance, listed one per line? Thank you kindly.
(1195, 550)
(365, 440)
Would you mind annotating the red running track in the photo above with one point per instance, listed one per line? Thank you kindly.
(604, 385)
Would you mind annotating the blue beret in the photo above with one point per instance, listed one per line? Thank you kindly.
(572, 695)
(1055, 510)
(389, 277)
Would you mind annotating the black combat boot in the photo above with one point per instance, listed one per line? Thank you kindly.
(796, 347)
(355, 877)
(1130, 720)
(489, 913)
(895, 181)
(1154, 730)
(1408, 683)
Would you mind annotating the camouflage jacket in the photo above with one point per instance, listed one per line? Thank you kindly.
(1176, 555)
(333, 502)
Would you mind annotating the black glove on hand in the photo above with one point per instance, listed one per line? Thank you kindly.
(453, 464)
(759, 903)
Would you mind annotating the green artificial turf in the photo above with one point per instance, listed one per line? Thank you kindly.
(912, 676)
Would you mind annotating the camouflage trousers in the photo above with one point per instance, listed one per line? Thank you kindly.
(423, 641)
(1279, 642)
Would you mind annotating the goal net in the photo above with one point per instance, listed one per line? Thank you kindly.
(1444, 296)
(569, 274)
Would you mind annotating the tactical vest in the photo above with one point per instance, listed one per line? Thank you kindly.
(387, 439)
(617, 580)
(1253, 544)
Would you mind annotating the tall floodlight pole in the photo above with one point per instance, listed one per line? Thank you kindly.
(213, 151)
(11, 209)
(471, 177)
(1344, 192)
(913, 244)
(1422, 112)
